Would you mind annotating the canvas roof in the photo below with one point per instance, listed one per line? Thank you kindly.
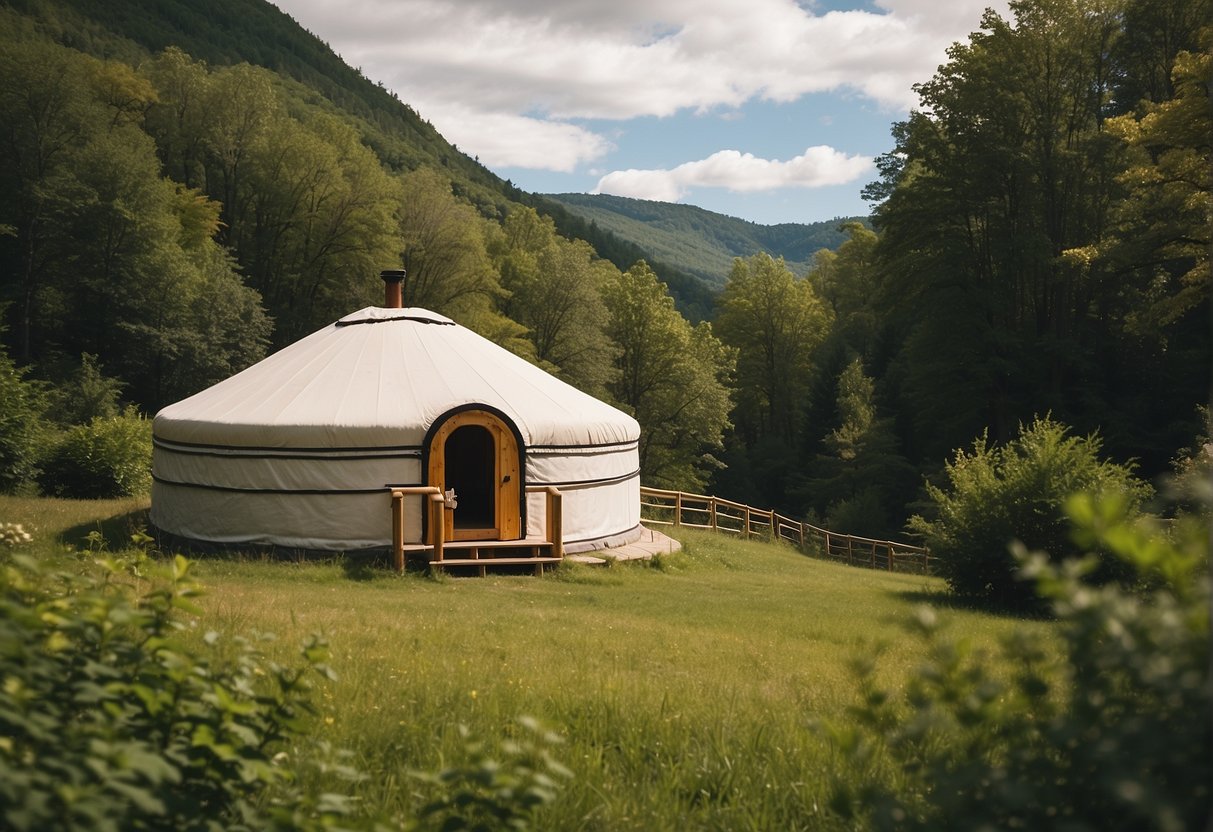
(379, 378)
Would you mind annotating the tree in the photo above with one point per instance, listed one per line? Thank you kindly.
(1000, 194)
(672, 377)
(443, 248)
(848, 281)
(47, 116)
(20, 425)
(554, 289)
(859, 480)
(775, 322)
(321, 222)
(1166, 223)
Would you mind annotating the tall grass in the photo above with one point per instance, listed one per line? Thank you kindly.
(688, 691)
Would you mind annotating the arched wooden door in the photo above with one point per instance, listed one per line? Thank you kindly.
(475, 453)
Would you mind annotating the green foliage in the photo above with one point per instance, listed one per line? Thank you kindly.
(998, 494)
(1113, 734)
(20, 415)
(859, 479)
(107, 457)
(672, 377)
(85, 394)
(1038, 252)
(555, 291)
(108, 722)
(776, 322)
(1165, 219)
(501, 790)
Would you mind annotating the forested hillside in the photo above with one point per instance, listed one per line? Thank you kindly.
(228, 32)
(699, 242)
(183, 192)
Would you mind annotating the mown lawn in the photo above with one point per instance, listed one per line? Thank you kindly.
(689, 693)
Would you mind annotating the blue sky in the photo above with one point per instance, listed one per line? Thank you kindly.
(768, 110)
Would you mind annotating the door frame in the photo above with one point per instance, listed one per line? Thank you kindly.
(509, 458)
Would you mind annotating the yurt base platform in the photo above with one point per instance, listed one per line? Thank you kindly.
(651, 542)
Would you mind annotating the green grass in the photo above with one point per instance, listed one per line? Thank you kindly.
(687, 691)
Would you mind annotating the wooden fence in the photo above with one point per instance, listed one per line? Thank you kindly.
(696, 511)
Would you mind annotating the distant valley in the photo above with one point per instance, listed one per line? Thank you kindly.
(698, 242)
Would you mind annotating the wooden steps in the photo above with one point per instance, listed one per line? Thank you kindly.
(531, 551)
(481, 554)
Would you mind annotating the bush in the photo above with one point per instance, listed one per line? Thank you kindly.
(83, 394)
(104, 458)
(20, 426)
(108, 722)
(1016, 492)
(1115, 734)
(503, 789)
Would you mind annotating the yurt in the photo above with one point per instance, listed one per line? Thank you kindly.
(302, 449)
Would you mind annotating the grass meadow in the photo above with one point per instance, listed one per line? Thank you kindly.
(690, 692)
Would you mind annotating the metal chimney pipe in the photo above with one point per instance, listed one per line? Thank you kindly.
(393, 296)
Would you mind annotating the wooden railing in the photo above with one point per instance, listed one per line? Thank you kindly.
(433, 506)
(696, 511)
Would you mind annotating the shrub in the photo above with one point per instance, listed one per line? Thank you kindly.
(20, 426)
(83, 394)
(108, 722)
(1115, 735)
(1016, 492)
(501, 790)
(108, 457)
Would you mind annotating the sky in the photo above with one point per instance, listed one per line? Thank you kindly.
(768, 110)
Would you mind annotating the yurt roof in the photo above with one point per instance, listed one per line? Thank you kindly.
(380, 377)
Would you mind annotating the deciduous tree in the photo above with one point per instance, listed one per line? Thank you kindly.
(673, 378)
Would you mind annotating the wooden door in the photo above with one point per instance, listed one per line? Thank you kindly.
(476, 453)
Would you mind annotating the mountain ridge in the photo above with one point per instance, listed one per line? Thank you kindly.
(700, 242)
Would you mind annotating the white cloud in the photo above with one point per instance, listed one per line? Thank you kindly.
(817, 167)
(507, 140)
(558, 61)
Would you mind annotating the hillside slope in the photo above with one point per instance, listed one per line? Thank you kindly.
(701, 242)
(689, 248)
(223, 32)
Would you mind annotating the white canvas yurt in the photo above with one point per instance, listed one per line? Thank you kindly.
(300, 449)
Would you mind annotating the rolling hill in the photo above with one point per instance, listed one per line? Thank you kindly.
(700, 242)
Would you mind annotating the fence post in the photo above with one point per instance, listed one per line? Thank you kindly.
(398, 531)
(746, 535)
(801, 534)
(437, 525)
(677, 508)
(555, 521)
(889, 547)
(712, 512)
(850, 550)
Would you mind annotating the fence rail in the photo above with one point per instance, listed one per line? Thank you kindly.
(696, 511)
